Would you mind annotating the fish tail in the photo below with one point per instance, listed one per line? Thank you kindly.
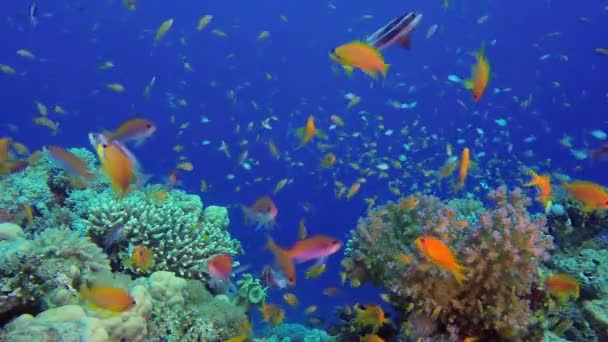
(459, 274)
(272, 246)
(277, 250)
(84, 291)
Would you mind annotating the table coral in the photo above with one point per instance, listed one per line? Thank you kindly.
(502, 253)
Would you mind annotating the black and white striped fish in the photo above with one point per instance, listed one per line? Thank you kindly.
(396, 32)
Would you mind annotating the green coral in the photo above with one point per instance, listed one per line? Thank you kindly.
(250, 291)
(176, 229)
(467, 209)
(502, 253)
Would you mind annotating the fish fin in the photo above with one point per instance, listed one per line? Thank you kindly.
(468, 84)
(385, 69)
(320, 261)
(348, 70)
(322, 135)
(405, 42)
(371, 74)
(299, 133)
(459, 274)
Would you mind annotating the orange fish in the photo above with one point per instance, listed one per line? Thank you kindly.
(332, 291)
(117, 165)
(408, 203)
(405, 259)
(137, 130)
(328, 160)
(465, 160)
(562, 286)
(108, 298)
(262, 213)
(593, 196)
(291, 299)
(283, 261)
(353, 190)
(172, 180)
(480, 75)
(220, 266)
(307, 132)
(142, 257)
(360, 55)
(544, 187)
(4, 144)
(440, 254)
(313, 248)
(68, 161)
(272, 314)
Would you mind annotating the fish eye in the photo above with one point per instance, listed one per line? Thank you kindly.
(149, 125)
(133, 302)
(335, 242)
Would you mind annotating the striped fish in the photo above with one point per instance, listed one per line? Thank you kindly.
(396, 32)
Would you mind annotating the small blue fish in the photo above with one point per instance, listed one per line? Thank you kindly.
(33, 13)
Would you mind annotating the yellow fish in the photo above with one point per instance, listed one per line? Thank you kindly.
(162, 30)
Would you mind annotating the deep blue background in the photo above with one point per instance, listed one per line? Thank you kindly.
(80, 35)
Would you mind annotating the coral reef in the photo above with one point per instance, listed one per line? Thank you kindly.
(59, 252)
(467, 209)
(53, 259)
(502, 254)
(572, 227)
(296, 333)
(73, 323)
(182, 235)
(589, 269)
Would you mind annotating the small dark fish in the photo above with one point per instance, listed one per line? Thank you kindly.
(113, 235)
(396, 32)
(600, 153)
(33, 14)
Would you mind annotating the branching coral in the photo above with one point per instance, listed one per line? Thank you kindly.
(502, 253)
(176, 228)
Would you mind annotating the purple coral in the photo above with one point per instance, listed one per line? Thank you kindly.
(502, 252)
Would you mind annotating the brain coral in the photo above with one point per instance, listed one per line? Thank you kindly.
(502, 253)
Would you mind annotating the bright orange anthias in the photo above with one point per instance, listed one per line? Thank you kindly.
(543, 183)
(593, 196)
(220, 267)
(107, 298)
(117, 165)
(463, 170)
(143, 257)
(272, 313)
(440, 254)
(262, 213)
(480, 75)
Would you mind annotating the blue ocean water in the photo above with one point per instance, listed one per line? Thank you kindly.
(543, 51)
